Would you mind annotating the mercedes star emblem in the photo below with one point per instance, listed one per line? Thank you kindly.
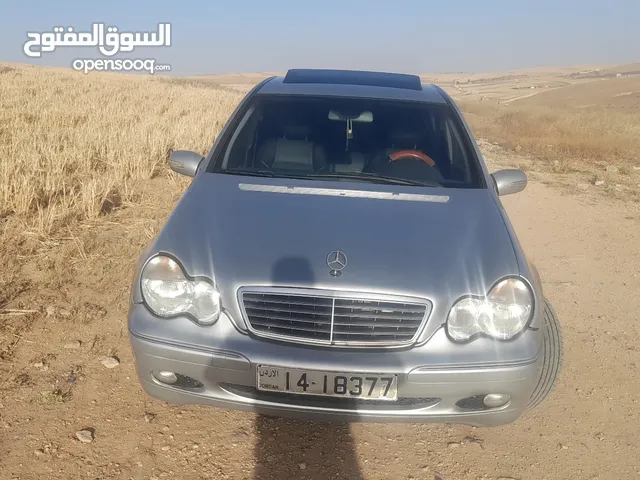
(336, 261)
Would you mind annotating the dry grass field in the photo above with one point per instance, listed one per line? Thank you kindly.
(74, 146)
(565, 138)
(84, 185)
(581, 127)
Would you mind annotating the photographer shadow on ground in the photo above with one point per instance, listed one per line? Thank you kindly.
(287, 448)
(301, 449)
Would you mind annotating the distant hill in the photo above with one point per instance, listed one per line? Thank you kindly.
(501, 87)
(621, 94)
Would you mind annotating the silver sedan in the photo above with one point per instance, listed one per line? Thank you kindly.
(342, 254)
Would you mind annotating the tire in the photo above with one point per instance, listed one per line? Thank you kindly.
(552, 351)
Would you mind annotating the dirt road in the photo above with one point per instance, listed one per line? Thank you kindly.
(586, 246)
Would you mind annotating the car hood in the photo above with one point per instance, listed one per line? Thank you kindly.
(252, 231)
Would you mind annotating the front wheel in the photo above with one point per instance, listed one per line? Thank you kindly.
(552, 352)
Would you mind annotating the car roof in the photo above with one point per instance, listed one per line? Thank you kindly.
(353, 84)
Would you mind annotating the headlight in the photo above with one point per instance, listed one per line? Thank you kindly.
(168, 292)
(503, 314)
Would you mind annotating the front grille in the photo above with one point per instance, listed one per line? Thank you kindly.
(333, 319)
(403, 403)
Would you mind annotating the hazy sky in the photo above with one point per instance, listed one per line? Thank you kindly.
(218, 36)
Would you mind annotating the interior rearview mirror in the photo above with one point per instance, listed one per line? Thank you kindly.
(185, 162)
(508, 181)
(356, 117)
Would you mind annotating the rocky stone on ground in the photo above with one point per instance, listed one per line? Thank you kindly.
(149, 417)
(110, 362)
(85, 435)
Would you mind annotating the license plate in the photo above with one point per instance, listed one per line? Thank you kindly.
(365, 386)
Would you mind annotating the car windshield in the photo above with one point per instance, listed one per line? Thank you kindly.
(345, 139)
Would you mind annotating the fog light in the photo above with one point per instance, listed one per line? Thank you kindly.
(165, 377)
(495, 400)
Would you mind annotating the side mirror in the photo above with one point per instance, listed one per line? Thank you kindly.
(185, 162)
(512, 180)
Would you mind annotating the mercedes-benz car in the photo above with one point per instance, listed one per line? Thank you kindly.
(342, 253)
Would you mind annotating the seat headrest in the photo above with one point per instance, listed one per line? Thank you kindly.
(293, 155)
(299, 132)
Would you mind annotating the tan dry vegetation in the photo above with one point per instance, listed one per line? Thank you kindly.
(580, 148)
(575, 138)
(564, 121)
(73, 146)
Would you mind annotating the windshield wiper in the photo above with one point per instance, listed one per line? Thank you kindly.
(263, 173)
(250, 171)
(374, 178)
(371, 177)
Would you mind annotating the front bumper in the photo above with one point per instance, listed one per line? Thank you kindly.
(430, 383)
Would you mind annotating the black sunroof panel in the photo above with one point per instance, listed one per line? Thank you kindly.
(354, 77)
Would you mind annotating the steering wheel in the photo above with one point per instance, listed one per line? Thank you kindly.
(413, 154)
